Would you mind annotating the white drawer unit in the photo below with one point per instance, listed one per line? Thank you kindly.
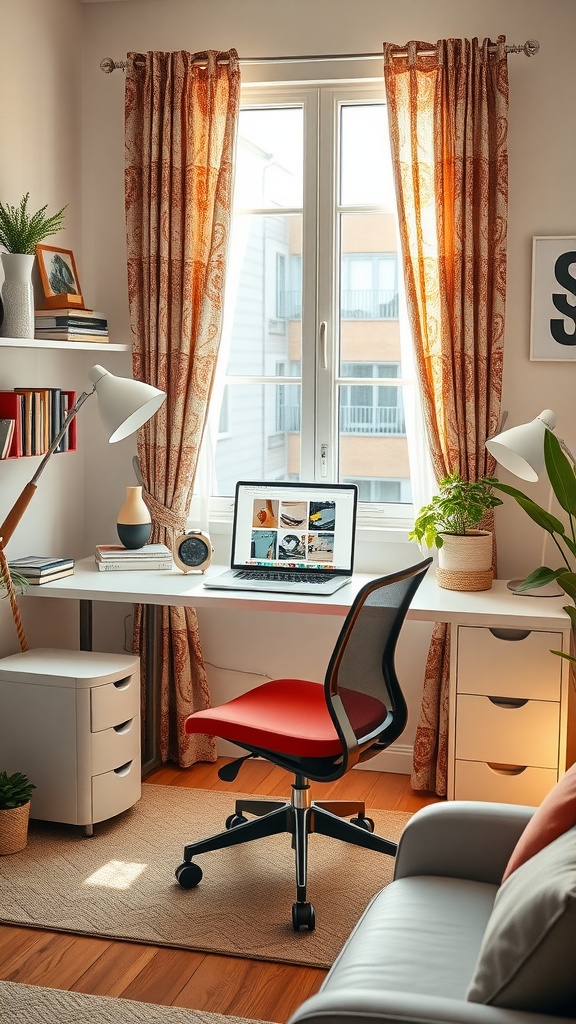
(70, 720)
(508, 713)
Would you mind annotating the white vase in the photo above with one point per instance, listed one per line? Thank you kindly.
(17, 295)
(134, 524)
(465, 562)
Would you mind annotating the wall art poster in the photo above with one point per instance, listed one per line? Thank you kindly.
(553, 319)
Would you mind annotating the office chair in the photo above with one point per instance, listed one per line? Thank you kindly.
(318, 733)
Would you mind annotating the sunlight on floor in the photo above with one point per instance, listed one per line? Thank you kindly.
(116, 874)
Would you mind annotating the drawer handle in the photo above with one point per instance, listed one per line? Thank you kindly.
(501, 633)
(124, 768)
(508, 702)
(507, 769)
(124, 726)
(123, 684)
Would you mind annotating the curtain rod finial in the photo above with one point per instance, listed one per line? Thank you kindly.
(531, 47)
(107, 65)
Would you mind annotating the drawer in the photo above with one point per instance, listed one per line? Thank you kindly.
(113, 703)
(509, 663)
(114, 747)
(474, 780)
(528, 734)
(115, 791)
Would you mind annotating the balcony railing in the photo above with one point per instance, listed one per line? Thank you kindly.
(355, 304)
(354, 419)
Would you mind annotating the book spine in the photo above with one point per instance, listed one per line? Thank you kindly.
(133, 566)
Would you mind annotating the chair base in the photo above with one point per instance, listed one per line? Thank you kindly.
(298, 817)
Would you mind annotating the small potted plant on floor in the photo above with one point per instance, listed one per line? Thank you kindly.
(15, 794)
(450, 522)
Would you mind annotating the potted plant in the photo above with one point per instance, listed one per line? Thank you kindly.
(15, 794)
(450, 522)
(20, 233)
(561, 473)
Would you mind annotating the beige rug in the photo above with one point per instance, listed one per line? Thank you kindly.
(30, 1004)
(120, 883)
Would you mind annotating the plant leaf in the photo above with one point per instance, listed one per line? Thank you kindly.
(540, 577)
(540, 516)
(567, 581)
(560, 472)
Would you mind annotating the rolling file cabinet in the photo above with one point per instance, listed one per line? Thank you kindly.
(508, 713)
(70, 720)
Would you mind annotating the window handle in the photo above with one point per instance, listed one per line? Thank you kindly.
(322, 339)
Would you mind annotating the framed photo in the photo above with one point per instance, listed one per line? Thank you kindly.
(59, 276)
(553, 316)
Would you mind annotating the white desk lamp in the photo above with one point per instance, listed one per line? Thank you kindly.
(124, 406)
(520, 450)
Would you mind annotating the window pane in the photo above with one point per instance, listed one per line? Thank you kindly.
(372, 441)
(365, 164)
(269, 161)
(263, 439)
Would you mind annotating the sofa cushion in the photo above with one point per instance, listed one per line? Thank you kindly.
(526, 961)
(421, 934)
(556, 814)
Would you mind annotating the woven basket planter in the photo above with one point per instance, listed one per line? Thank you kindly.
(14, 828)
(465, 562)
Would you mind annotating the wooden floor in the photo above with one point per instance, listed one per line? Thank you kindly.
(221, 984)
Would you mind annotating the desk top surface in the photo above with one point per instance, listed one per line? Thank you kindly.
(497, 606)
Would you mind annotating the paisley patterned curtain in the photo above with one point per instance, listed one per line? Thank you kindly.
(448, 116)
(181, 114)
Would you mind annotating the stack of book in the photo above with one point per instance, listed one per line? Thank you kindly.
(42, 413)
(38, 569)
(112, 557)
(70, 325)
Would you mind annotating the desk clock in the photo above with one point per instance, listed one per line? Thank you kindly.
(193, 550)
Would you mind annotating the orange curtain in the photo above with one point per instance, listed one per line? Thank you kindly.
(448, 116)
(181, 114)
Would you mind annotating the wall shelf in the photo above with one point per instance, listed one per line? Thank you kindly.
(83, 346)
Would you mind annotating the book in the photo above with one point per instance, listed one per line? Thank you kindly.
(68, 311)
(135, 565)
(67, 336)
(7, 428)
(70, 323)
(37, 581)
(117, 552)
(40, 565)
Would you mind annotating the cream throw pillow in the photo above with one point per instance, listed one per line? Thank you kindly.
(526, 960)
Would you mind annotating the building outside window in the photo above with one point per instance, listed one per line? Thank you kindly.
(313, 370)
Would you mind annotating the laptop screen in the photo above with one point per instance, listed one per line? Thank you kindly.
(294, 526)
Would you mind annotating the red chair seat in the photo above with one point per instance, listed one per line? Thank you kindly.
(286, 715)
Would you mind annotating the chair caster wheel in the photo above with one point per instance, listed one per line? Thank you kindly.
(366, 823)
(303, 916)
(233, 820)
(188, 875)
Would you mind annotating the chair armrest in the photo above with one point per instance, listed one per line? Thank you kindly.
(461, 839)
(348, 1006)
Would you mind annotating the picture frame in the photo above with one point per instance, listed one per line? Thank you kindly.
(59, 277)
(553, 306)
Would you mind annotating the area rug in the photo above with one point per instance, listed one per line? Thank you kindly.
(120, 883)
(30, 1004)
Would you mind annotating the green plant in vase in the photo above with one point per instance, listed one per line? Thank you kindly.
(21, 231)
(457, 509)
(15, 790)
(561, 473)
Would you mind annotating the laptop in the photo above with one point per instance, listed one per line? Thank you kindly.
(291, 538)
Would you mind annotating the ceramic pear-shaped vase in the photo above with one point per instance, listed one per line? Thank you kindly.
(134, 523)
(17, 295)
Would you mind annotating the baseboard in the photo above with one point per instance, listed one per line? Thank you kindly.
(397, 759)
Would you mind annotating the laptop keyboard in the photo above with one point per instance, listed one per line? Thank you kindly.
(285, 577)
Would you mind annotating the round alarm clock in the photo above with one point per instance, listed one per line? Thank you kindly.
(193, 550)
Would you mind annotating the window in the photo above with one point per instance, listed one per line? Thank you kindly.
(313, 371)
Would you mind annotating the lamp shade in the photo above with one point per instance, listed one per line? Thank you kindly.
(124, 404)
(521, 449)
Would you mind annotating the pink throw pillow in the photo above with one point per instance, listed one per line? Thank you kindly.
(556, 814)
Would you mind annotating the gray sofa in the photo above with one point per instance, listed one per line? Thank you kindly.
(436, 946)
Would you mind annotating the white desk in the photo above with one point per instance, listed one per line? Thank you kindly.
(507, 692)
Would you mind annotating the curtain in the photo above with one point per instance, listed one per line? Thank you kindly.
(448, 117)
(181, 115)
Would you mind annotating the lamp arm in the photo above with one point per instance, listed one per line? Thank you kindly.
(21, 504)
(567, 452)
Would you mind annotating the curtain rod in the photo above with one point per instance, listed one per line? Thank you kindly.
(529, 48)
